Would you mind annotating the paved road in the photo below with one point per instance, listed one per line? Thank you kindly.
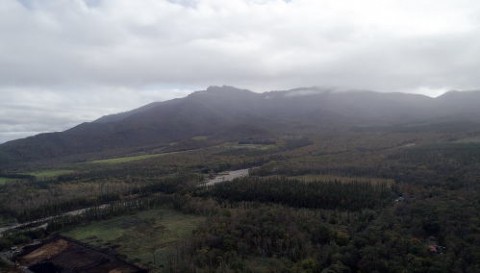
(227, 176)
(42, 221)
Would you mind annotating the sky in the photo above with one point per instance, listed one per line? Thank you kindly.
(63, 62)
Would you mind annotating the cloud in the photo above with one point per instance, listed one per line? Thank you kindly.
(67, 50)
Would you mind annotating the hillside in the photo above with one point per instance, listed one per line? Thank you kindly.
(228, 113)
(305, 180)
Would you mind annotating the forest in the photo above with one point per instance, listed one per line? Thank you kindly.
(363, 202)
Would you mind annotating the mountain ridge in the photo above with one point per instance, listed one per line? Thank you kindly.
(232, 114)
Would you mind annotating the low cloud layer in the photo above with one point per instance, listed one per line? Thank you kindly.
(67, 61)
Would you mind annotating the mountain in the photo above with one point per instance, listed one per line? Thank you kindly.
(228, 113)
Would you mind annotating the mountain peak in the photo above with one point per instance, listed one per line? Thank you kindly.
(456, 93)
(225, 92)
(226, 88)
(226, 113)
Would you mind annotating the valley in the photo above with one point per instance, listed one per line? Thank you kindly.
(341, 199)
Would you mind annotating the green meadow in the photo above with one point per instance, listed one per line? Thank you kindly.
(146, 238)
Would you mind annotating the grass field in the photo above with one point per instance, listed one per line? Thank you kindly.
(44, 174)
(50, 173)
(262, 147)
(126, 159)
(5, 180)
(200, 138)
(147, 238)
(120, 160)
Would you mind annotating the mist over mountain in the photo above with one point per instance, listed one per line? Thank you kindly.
(231, 114)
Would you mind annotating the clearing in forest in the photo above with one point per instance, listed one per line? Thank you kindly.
(146, 238)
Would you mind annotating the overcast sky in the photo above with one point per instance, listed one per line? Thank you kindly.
(63, 62)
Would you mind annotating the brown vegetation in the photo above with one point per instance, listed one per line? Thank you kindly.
(64, 255)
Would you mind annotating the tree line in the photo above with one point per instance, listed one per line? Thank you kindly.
(333, 194)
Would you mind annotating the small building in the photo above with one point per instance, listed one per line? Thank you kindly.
(436, 249)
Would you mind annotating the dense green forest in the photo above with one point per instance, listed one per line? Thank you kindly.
(361, 202)
(315, 194)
